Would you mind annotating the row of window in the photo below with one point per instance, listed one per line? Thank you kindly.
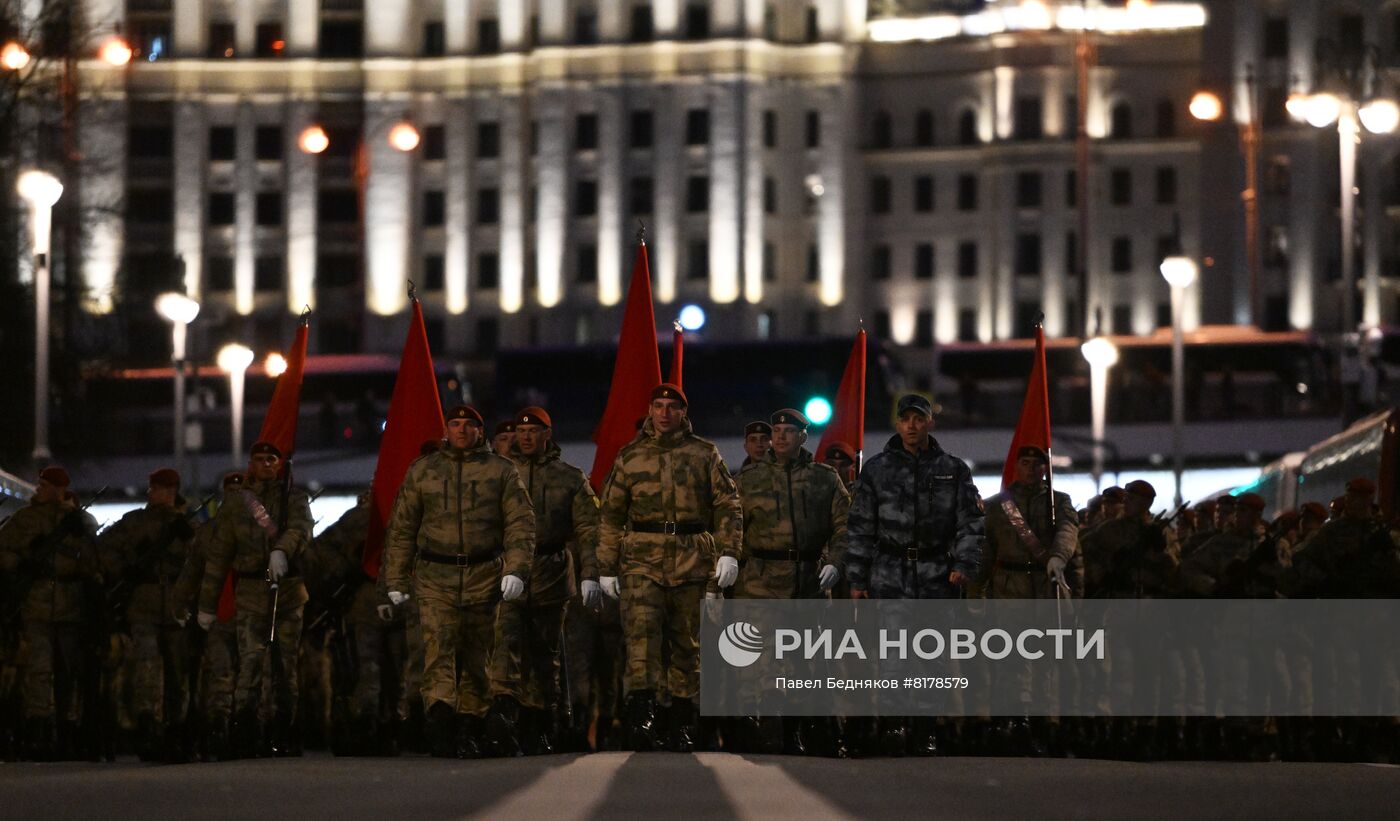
(1030, 188)
(1028, 123)
(1027, 261)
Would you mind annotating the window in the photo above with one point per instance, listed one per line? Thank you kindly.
(697, 259)
(585, 198)
(1120, 186)
(814, 262)
(880, 195)
(642, 29)
(586, 132)
(770, 262)
(337, 205)
(1122, 255)
(267, 142)
(1166, 185)
(766, 322)
(1276, 246)
(811, 324)
(488, 335)
(1029, 192)
(697, 126)
(923, 329)
(770, 196)
(770, 128)
(1071, 253)
(223, 143)
(1166, 246)
(1276, 38)
(268, 208)
(923, 128)
(434, 143)
(882, 131)
(488, 271)
(488, 36)
(269, 40)
(967, 260)
(218, 273)
(586, 264)
(925, 265)
(267, 274)
(639, 196)
(434, 208)
(222, 40)
(1030, 123)
(967, 192)
(1275, 107)
(1071, 189)
(434, 272)
(640, 133)
(880, 262)
(814, 129)
(1351, 33)
(967, 325)
(923, 194)
(967, 128)
(337, 271)
(534, 138)
(1028, 255)
(434, 39)
(770, 22)
(1166, 118)
(697, 194)
(151, 39)
(586, 27)
(488, 140)
(1278, 174)
(151, 142)
(882, 325)
(814, 31)
(488, 206)
(342, 39)
(697, 21)
(1121, 122)
(221, 208)
(1122, 319)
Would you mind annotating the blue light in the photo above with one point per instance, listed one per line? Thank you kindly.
(692, 317)
(818, 410)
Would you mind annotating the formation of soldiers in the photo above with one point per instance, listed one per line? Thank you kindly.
(515, 612)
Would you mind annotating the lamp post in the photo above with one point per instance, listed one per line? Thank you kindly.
(234, 360)
(1179, 272)
(40, 190)
(179, 310)
(1101, 355)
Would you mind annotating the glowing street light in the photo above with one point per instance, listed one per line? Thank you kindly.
(234, 360)
(313, 140)
(692, 318)
(404, 137)
(1101, 355)
(14, 56)
(1206, 107)
(1379, 116)
(115, 52)
(179, 310)
(40, 190)
(275, 364)
(1179, 272)
(1322, 109)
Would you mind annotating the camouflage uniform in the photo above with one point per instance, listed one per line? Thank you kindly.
(794, 523)
(1012, 570)
(218, 665)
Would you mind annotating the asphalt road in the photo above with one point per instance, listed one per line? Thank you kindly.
(710, 785)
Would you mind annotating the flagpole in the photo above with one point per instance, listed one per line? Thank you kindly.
(1049, 445)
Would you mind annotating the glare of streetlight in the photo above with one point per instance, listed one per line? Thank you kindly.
(14, 56)
(275, 364)
(1206, 106)
(404, 137)
(1297, 105)
(1100, 352)
(314, 140)
(1179, 271)
(115, 52)
(234, 358)
(692, 317)
(1322, 109)
(39, 188)
(1379, 116)
(177, 308)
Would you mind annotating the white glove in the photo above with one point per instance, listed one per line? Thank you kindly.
(709, 595)
(727, 570)
(276, 565)
(206, 620)
(591, 593)
(397, 598)
(1055, 568)
(386, 612)
(829, 576)
(511, 587)
(610, 587)
(182, 619)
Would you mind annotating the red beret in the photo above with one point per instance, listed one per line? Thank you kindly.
(840, 448)
(467, 412)
(668, 391)
(1252, 501)
(508, 426)
(1362, 485)
(232, 479)
(261, 447)
(1138, 487)
(165, 477)
(1113, 494)
(1226, 501)
(533, 415)
(758, 427)
(55, 475)
(1030, 452)
(1315, 510)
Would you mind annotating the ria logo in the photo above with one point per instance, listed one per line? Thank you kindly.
(740, 644)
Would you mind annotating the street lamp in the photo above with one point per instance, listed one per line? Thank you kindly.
(1206, 107)
(41, 190)
(404, 137)
(14, 56)
(115, 52)
(179, 310)
(234, 360)
(1101, 355)
(314, 140)
(1179, 272)
(275, 364)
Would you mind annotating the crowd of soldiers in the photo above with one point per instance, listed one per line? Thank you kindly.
(515, 612)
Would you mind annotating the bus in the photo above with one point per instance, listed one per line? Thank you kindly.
(1368, 448)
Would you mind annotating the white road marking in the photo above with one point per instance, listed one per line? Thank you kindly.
(569, 793)
(766, 791)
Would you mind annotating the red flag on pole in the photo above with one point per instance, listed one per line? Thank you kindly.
(848, 411)
(635, 373)
(677, 354)
(415, 417)
(1034, 427)
(280, 425)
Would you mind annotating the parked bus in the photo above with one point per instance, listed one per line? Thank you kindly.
(1369, 448)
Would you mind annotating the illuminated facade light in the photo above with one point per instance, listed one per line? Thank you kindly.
(1379, 116)
(313, 140)
(275, 364)
(1322, 110)
(1037, 15)
(1206, 107)
(404, 137)
(115, 52)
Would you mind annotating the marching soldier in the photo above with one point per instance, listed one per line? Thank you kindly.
(503, 438)
(842, 458)
(758, 437)
(670, 521)
(461, 538)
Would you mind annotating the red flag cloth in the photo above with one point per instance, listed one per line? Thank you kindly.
(635, 373)
(677, 356)
(1034, 427)
(415, 417)
(848, 411)
(280, 425)
(228, 602)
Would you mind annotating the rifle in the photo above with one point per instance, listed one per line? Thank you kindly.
(44, 551)
(282, 705)
(154, 549)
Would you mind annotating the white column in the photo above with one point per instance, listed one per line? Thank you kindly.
(513, 16)
(302, 182)
(754, 217)
(668, 117)
(1373, 211)
(458, 227)
(612, 142)
(190, 27)
(389, 29)
(515, 141)
(102, 130)
(191, 140)
(552, 191)
(997, 195)
(303, 27)
(726, 192)
(726, 18)
(245, 203)
(665, 17)
(611, 23)
(831, 222)
(388, 212)
(554, 23)
(245, 27)
(1348, 135)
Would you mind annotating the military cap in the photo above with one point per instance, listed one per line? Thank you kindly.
(915, 402)
(1313, 510)
(668, 391)
(1252, 501)
(467, 412)
(55, 475)
(508, 426)
(840, 449)
(164, 477)
(1362, 486)
(1338, 504)
(1030, 452)
(758, 426)
(788, 416)
(1138, 487)
(1207, 506)
(232, 479)
(430, 446)
(1113, 495)
(1226, 501)
(533, 415)
(261, 447)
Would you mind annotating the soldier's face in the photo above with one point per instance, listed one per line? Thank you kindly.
(1358, 504)
(531, 439)
(788, 440)
(501, 442)
(1135, 505)
(1224, 516)
(756, 444)
(1246, 519)
(46, 492)
(159, 495)
(1308, 525)
(841, 464)
(913, 428)
(462, 434)
(264, 467)
(666, 414)
(1029, 469)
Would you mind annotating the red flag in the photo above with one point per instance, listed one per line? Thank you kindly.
(415, 417)
(677, 354)
(280, 425)
(1034, 427)
(636, 372)
(848, 411)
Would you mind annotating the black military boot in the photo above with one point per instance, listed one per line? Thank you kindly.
(604, 739)
(924, 741)
(471, 742)
(176, 743)
(501, 731)
(641, 721)
(441, 730)
(894, 737)
(770, 735)
(535, 726)
(147, 738)
(216, 740)
(41, 739)
(683, 729)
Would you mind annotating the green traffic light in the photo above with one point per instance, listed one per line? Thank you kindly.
(818, 410)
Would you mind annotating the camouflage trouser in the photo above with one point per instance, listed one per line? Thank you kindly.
(526, 662)
(53, 675)
(457, 644)
(657, 619)
(159, 663)
(593, 641)
(253, 654)
(219, 671)
(411, 665)
(378, 647)
(778, 579)
(315, 673)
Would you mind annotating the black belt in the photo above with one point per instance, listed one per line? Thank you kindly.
(671, 528)
(786, 555)
(459, 559)
(1021, 567)
(913, 554)
(261, 575)
(549, 548)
